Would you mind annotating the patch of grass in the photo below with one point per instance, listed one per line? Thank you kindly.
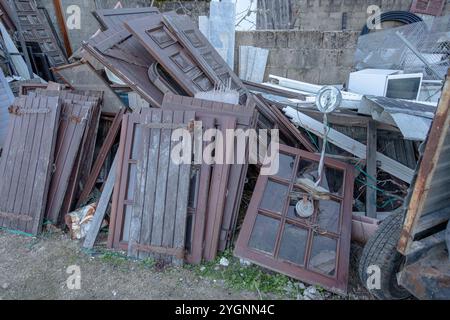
(114, 258)
(149, 263)
(247, 278)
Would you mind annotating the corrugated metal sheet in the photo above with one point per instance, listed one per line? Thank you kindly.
(6, 98)
(412, 118)
(428, 202)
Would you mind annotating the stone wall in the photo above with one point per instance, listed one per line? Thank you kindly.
(312, 56)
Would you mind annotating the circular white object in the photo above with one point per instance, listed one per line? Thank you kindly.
(328, 99)
(304, 209)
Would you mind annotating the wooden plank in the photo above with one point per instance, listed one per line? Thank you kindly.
(62, 25)
(197, 238)
(102, 206)
(30, 158)
(151, 178)
(139, 214)
(136, 102)
(179, 233)
(82, 76)
(354, 147)
(172, 192)
(120, 52)
(45, 162)
(371, 193)
(87, 155)
(114, 18)
(217, 200)
(101, 157)
(19, 155)
(70, 133)
(161, 182)
(122, 172)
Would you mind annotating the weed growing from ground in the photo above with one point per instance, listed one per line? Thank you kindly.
(247, 278)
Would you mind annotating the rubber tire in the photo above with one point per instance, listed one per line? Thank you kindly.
(381, 250)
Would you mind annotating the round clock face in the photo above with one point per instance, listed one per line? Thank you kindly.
(328, 99)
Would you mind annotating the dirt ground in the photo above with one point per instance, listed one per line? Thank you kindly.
(36, 268)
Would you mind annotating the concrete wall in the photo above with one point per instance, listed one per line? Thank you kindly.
(312, 56)
(327, 14)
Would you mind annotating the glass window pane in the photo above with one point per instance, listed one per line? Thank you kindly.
(332, 179)
(323, 255)
(293, 244)
(264, 234)
(328, 215)
(286, 166)
(308, 170)
(335, 180)
(274, 197)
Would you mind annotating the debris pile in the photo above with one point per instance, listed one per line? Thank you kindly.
(118, 138)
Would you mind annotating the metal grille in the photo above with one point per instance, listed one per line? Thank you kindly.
(418, 47)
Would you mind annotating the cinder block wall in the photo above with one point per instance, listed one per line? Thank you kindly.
(312, 56)
(325, 15)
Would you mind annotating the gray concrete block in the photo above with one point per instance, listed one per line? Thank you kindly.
(309, 75)
(305, 39)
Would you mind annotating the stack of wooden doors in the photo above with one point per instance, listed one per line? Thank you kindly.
(48, 152)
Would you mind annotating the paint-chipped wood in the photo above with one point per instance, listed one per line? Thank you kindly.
(144, 162)
(121, 53)
(35, 28)
(177, 44)
(26, 164)
(71, 129)
(102, 206)
(245, 120)
(82, 76)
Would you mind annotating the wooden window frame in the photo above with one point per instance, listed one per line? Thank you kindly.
(336, 283)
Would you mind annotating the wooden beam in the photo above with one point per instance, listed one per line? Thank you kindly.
(102, 205)
(62, 26)
(371, 193)
(350, 145)
(106, 147)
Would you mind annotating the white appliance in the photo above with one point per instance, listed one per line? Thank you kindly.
(386, 83)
